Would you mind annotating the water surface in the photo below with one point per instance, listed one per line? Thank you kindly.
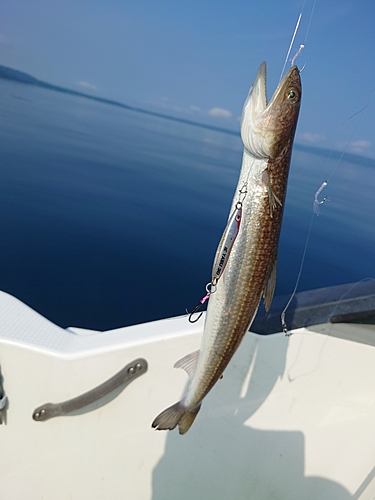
(110, 217)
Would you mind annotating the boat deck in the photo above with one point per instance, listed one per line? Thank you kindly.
(292, 418)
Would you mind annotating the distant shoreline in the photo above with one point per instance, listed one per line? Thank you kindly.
(22, 77)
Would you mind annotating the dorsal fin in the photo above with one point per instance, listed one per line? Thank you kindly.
(188, 363)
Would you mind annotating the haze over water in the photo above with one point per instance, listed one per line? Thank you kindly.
(111, 217)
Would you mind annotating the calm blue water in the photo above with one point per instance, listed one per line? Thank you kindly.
(110, 217)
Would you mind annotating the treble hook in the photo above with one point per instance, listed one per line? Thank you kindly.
(197, 307)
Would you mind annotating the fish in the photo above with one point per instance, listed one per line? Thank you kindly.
(267, 133)
(3, 403)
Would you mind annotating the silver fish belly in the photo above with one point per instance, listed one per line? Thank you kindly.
(267, 132)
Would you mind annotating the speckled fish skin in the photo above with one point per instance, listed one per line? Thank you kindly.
(267, 132)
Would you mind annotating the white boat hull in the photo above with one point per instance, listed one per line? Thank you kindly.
(292, 418)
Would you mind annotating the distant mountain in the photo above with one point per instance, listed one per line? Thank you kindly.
(21, 77)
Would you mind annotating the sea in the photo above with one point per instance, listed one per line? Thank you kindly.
(110, 217)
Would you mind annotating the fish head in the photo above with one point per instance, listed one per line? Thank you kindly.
(264, 125)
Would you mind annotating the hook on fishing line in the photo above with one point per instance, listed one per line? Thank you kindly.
(316, 203)
(291, 45)
(316, 211)
(223, 251)
(243, 193)
(210, 288)
(286, 332)
(302, 46)
(297, 54)
(196, 308)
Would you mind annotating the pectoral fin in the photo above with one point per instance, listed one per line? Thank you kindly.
(270, 288)
(273, 199)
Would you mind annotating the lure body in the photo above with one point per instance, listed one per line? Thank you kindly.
(226, 244)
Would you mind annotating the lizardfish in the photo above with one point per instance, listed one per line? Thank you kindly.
(267, 132)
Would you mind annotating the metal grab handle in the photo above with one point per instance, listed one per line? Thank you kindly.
(130, 372)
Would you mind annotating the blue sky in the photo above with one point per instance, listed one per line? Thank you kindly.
(197, 59)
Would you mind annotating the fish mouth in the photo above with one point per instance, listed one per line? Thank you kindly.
(292, 78)
(257, 97)
(261, 118)
(258, 91)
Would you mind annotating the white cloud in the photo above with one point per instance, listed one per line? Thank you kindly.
(359, 146)
(87, 85)
(220, 113)
(309, 137)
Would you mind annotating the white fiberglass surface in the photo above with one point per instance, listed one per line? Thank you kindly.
(291, 417)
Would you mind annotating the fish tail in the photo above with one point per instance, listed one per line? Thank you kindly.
(187, 420)
(176, 414)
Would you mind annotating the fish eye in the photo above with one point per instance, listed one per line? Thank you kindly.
(292, 94)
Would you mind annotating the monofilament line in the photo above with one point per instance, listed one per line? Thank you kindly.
(316, 210)
(291, 43)
(282, 317)
(350, 138)
(311, 16)
(302, 46)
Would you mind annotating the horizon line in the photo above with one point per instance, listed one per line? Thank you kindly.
(8, 73)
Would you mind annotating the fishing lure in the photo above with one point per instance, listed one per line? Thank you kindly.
(226, 243)
(222, 256)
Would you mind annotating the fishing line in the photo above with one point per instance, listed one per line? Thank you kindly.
(350, 138)
(224, 248)
(316, 206)
(311, 16)
(345, 295)
(231, 231)
(302, 45)
(291, 44)
(282, 316)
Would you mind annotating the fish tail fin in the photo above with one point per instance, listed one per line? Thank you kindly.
(176, 414)
(187, 420)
